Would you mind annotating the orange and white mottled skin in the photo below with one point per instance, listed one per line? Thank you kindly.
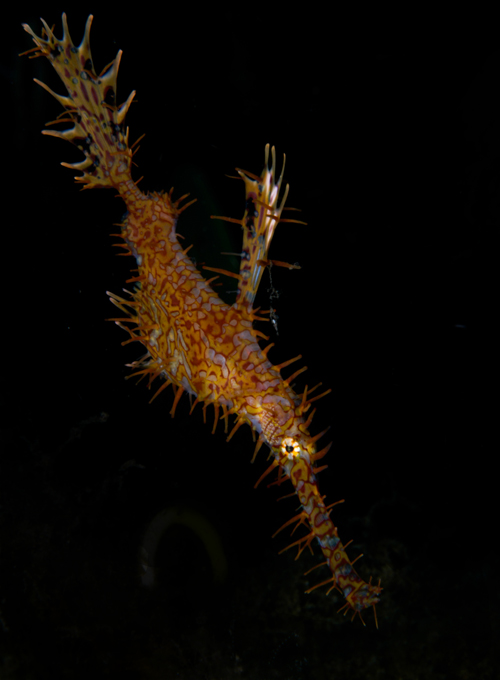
(193, 339)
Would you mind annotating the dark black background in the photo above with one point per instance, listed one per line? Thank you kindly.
(392, 150)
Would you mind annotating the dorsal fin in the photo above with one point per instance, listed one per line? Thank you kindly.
(91, 106)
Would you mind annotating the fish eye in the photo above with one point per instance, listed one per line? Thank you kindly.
(290, 445)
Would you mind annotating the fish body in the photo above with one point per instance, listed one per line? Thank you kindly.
(191, 338)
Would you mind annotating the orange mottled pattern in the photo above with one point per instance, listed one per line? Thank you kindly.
(192, 339)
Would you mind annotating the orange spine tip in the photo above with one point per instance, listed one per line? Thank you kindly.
(284, 364)
(223, 271)
(321, 454)
(292, 377)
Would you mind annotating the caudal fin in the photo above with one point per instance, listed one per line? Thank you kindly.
(91, 105)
